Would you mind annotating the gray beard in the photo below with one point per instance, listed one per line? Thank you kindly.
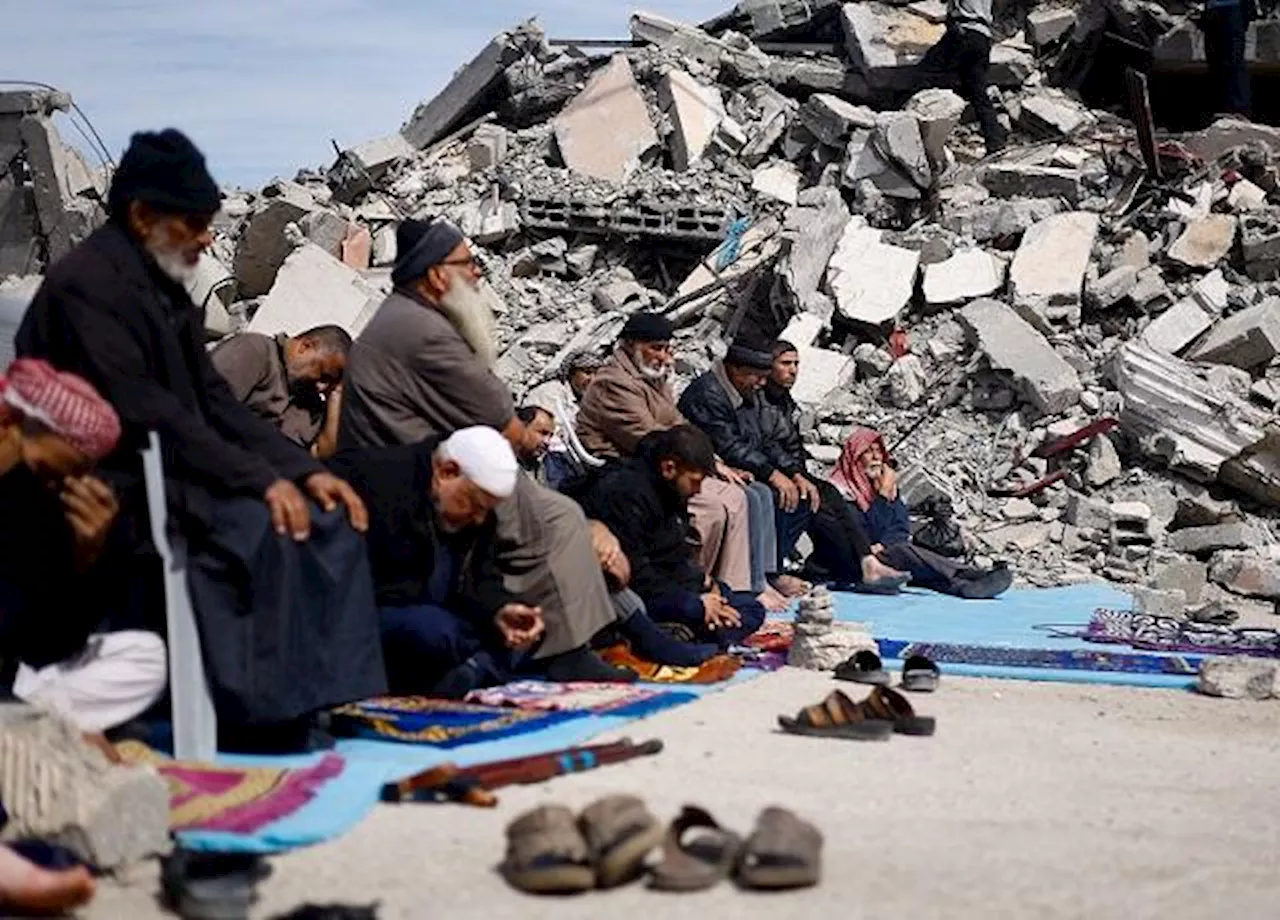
(652, 374)
(470, 309)
(172, 264)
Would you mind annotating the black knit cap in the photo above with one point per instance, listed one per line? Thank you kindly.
(166, 171)
(420, 244)
(750, 353)
(648, 327)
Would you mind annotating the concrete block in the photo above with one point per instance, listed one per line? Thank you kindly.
(1190, 578)
(1205, 243)
(1159, 603)
(871, 281)
(312, 289)
(897, 137)
(695, 110)
(1011, 66)
(326, 229)
(1113, 287)
(885, 43)
(1033, 180)
(605, 131)
(1044, 27)
(966, 275)
(1052, 114)
(1087, 513)
(487, 221)
(831, 119)
(1245, 196)
(1104, 463)
(487, 147)
(939, 112)
(1136, 251)
(1203, 541)
(1049, 268)
(1247, 340)
(263, 245)
(1011, 344)
(822, 372)
(779, 181)
(1212, 291)
(803, 330)
(1247, 573)
(1176, 328)
(1240, 678)
(1150, 292)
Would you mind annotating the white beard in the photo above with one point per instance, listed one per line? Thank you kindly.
(171, 262)
(658, 374)
(471, 310)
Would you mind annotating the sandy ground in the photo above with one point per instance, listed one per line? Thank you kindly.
(1033, 800)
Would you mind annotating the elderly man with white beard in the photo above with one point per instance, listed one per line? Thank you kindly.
(277, 646)
(423, 368)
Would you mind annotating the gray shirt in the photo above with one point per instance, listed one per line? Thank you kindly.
(974, 15)
(410, 375)
(253, 365)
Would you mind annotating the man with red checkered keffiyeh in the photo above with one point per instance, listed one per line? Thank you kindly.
(54, 428)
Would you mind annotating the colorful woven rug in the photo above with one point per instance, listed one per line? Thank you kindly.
(1060, 659)
(712, 671)
(1166, 634)
(440, 723)
(237, 800)
(628, 700)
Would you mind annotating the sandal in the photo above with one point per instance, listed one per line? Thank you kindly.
(920, 675)
(782, 852)
(619, 831)
(884, 703)
(546, 853)
(863, 668)
(698, 853)
(838, 717)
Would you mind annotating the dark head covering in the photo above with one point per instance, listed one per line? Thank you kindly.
(420, 244)
(166, 171)
(648, 327)
(746, 352)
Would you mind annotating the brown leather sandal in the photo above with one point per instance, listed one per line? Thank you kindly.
(546, 853)
(698, 853)
(838, 717)
(782, 852)
(620, 833)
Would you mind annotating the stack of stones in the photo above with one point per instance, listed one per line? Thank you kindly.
(821, 643)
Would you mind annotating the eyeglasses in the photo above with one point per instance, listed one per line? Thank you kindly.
(469, 261)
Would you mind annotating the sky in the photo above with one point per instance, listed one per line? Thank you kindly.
(263, 86)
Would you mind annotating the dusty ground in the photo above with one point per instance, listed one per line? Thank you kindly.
(1034, 800)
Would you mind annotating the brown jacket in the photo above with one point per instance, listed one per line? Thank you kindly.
(620, 407)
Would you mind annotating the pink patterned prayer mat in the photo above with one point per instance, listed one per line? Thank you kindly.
(580, 696)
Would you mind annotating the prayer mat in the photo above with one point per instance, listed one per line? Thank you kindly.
(1166, 634)
(1061, 659)
(235, 800)
(712, 671)
(439, 723)
(628, 700)
(773, 636)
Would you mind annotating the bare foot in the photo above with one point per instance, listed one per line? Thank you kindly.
(773, 601)
(99, 740)
(874, 570)
(790, 586)
(28, 888)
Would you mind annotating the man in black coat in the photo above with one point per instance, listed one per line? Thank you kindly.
(115, 311)
(644, 501)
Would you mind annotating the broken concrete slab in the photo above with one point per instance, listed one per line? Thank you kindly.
(809, 238)
(897, 137)
(1046, 26)
(1247, 573)
(313, 289)
(831, 119)
(871, 281)
(1104, 465)
(1245, 196)
(886, 43)
(1052, 114)
(1011, 179)
(967, 274)
(939, 112)
(1248, 339)
(1176, 328)
(605, 131)
(466, 95)
(779, 181)
(1112, 287)
(1045, 380)
(695, 110)
(822, 372)
(1159, 603)
(487, 147)
(803, 329)
(1228, 133)
(263, 245)
(1048, 270)
(1202, 541)
(1205, 242)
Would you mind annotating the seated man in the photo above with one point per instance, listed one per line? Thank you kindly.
(841, 548)
(114, 311)
(294, 382)
(865, 475)
(567, 459)
(448, 624)
(644, 500)
(630, 397)
(57, 520)
(535, 443)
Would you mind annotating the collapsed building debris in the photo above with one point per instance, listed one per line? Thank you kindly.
(784, 169)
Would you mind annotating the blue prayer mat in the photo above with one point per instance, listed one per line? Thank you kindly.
(439, 723)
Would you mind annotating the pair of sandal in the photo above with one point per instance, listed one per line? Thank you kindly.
(549, 851)
(919, 674)
(877, 718)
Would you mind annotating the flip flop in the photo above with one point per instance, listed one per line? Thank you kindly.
(546, 853)
(782, 852)
(698, 853)
(920, 675)
(892, 706)
(620, 832)
(865, 667)
(838, 717)
(888, 585)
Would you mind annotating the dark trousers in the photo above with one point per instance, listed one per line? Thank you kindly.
(964, 56)
(790, 525)
(927, 568)
(1225, 28)
(685, 608)
(423, 645)
(839, 541)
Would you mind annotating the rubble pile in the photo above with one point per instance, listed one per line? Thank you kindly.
(1072, 342)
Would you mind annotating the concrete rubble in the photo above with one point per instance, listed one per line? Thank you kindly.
(783, 169)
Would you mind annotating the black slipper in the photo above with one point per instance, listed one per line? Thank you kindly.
(863, 668)
(920, 675)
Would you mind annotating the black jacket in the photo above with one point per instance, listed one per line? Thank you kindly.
(743, 435)
(784, 427)
(651, 523)
(107, 313)
(404, 538)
